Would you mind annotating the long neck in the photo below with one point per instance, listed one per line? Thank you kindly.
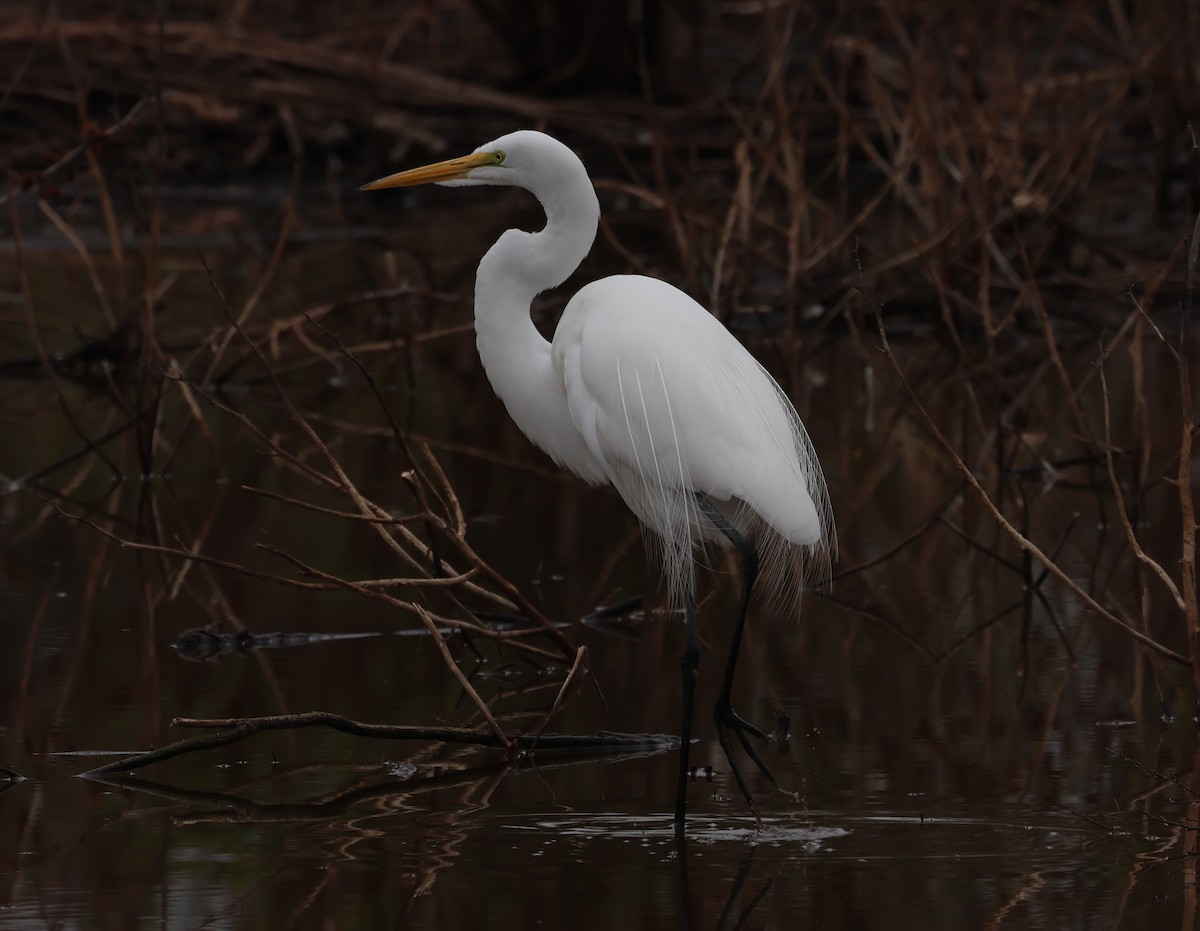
(514, 354)
(521, 265)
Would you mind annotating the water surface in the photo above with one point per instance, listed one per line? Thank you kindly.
(961, 753)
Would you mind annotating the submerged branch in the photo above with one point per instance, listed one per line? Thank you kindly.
(241, 728)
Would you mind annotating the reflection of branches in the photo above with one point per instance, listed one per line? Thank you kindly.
(1162, 850)
(234, 809)
(349, 812)
(1030, 883)
(339, 803)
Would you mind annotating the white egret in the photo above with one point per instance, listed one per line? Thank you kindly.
(646, 390)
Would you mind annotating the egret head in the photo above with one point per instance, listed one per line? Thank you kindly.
(518, 159)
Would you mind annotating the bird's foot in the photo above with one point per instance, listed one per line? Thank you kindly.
(734, 720)
(730, 722)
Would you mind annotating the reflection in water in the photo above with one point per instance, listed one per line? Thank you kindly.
(204, 643)
(735, 893)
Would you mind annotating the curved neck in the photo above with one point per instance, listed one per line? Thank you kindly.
(515, 356)
(521, 265)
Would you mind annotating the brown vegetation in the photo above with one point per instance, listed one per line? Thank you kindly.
(996, 204)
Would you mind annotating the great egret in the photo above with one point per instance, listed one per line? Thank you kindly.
(645, 389)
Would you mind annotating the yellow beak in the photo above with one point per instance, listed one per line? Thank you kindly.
(449, 170)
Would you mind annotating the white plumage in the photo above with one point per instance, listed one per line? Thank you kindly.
(644, 389)
(669, 403)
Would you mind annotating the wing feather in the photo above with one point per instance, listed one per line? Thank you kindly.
(672, 404)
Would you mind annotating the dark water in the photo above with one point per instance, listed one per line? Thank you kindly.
(954, 766)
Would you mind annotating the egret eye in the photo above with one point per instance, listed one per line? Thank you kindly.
(499, 157)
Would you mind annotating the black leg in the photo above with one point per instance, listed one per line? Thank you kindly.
(726, 718)
(689, 663)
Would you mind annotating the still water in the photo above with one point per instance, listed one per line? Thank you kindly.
(961, 755)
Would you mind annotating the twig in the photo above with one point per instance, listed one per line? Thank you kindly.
(1130, 535)
(1021, 540)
